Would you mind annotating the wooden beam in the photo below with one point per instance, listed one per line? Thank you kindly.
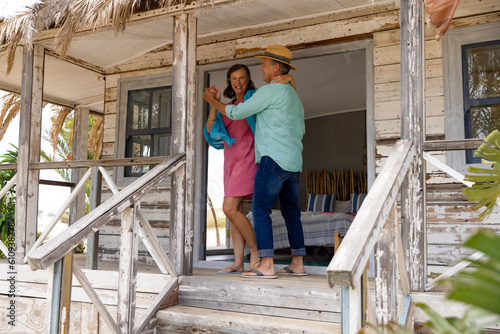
(352, 308)
(147, 234)
(59, 214)
(348, 264)
(183, 113)
(94, 297)
(385, 285)
(447, 169)
(162, 296)
(57, 183)
(95, 201)
(413, 208)
(190, 144)
(53, 297)
(66, 277)
(29, 149)
(89, 163)
(127, 273)
(61, 244)
(76, 211)
(452, 145)
(79, 152)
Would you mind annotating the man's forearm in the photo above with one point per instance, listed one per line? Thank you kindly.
(221, 107)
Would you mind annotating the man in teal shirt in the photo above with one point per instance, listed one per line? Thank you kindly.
(279, 130)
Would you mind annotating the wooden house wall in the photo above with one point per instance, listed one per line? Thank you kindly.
(31, 306)
(155, 205)
(450, 218)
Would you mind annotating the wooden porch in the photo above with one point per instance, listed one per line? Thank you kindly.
(208, 302)
(130, 297)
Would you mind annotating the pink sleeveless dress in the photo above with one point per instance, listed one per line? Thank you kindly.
(239, 159)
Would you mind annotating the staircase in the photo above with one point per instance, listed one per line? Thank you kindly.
(214, 303)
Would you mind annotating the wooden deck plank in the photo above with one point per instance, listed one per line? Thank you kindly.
(175, 319)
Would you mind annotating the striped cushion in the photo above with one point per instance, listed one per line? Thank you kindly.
(321, 202)
(356, 201)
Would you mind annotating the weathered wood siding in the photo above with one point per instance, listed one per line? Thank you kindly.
(450, 218)
(155, 205)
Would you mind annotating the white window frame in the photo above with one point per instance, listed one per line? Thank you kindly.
(124, 86)
(453, 82)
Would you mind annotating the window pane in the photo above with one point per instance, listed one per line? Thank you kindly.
(484, 120)
(160, 117)
(141, 146)
(484, 71)
(139, 105)
(162, 145)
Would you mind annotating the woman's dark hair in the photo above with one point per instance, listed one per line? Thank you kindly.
(229, 92)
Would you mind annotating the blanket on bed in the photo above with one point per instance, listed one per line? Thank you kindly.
(319, 228)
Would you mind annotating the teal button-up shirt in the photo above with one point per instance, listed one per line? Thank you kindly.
(279, 126)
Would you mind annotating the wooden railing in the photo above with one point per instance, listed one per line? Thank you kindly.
(375, 227)
(127, 203)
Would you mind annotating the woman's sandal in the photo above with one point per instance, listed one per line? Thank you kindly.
(253, 264)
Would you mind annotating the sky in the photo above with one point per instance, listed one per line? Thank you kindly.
(50, 196)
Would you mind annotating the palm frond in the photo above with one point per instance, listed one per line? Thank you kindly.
(440, 13)
(486, 188)
(57, 119)
(11, 104)
(95, 137)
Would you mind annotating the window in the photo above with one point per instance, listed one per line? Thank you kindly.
(471, 67)
(481, 79)
(148, 126)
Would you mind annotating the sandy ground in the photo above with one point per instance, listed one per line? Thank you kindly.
(212, 238)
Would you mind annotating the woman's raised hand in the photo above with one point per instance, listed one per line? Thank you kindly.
(284, 78)
(216, 92)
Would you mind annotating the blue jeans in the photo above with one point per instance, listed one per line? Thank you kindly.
(272, 181)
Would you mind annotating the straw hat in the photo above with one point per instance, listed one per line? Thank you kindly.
(278, 53)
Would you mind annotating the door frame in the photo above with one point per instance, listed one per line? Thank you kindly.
(201, 155)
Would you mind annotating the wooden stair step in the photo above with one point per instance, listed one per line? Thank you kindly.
(308, 297)
(187, 319)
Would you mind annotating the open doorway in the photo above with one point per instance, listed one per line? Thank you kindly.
(335, 87)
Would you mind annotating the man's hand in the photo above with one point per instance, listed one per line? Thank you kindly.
(211, 95)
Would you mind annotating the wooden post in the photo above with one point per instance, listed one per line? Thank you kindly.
(30, 122)
(79, 152)
(95, 200)
(183, 114)
(127, 275)
(77, 211)
(352, 308)
(413, 206)
(385, 285)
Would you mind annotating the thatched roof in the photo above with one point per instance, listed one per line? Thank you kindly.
(71, 16)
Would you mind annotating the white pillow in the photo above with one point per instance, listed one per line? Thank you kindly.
(342, 206)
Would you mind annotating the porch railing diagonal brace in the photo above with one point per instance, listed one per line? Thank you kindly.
(94, 297)
(347, 266)
(61, 244)
(60, 213)
(146, 234)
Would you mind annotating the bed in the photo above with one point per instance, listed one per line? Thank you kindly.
(320, 228)
(332, 203)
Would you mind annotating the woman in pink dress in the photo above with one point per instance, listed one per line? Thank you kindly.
(237, 140)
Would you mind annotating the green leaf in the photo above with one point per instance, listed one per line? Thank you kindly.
(437, 322)
(485, 241)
